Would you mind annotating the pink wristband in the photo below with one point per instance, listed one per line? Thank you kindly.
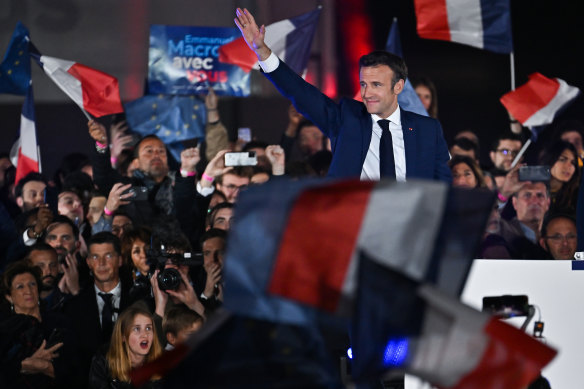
(207, 177)
(107, 211)
(100, 145)
(186, 173)
(113, 161)
(501, 197)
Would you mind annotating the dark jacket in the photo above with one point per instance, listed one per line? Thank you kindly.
(100, 376)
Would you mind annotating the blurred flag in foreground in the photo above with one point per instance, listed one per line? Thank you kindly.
(537, 102)
(92, 90)
(15, 67)
(25, 148)
(482, 24)
(290, 39)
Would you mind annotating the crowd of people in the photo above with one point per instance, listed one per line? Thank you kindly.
(116, 258)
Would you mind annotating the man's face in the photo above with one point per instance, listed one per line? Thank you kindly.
(152, 158)
(505, 153)
(223, 219)
(46, 261)
(574, 138)
(231, 186)
(61, 238)
(95, 209)
(531, 203)
(104, 262)
(120, 224)
(561, 238)
(33, 195)
(376, 89)
(213, 250)
(70, 205)
(310, 140)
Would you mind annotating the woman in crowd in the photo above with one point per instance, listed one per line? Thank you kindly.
(34, 343)
(135, 243)
(466, 173)
(562, 158)
(134, 342)
(426, 91)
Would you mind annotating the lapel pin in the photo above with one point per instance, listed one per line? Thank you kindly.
(411, 129)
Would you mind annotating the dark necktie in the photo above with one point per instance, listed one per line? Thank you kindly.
(106, 314)
(386, 162)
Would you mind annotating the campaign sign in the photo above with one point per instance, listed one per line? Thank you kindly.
(184, 60)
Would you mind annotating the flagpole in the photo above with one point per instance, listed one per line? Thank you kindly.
(39, 158)
(86, 114)
(512, 60)
(521, 152)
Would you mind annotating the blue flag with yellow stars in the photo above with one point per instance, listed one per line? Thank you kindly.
(15, 67)
(174, 119)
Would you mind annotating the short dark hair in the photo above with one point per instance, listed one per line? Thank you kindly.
(213, 233)
(62, 219)
(507, 135)
(26, 179)
(39, 246)
(552, 216)
(139, 143)
(239, 171)
(380, 57)
(18, 268)
(213, 211)
(179, 318)
(105, 237)
(467, 145)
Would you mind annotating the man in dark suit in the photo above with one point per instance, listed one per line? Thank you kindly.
(370, 140)
(95, 309)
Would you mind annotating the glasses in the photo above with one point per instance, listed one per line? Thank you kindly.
(505, 152)
(558, 238)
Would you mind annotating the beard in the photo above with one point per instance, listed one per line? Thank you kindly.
(48, 283)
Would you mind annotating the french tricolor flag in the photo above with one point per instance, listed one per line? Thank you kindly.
(290, 39)
(92, 90)
(28, 158)
(393, 257)
(537, 102)
(485, 24)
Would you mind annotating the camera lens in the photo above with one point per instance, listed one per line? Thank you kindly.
(169, 279)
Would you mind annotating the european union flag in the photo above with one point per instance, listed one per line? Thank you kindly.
(173, 119)
(407, 99)
(15, 67)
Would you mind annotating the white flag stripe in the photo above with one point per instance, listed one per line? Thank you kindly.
(276, 38)
(57, 69)
(465, 21)
(546, 114)
(28, 138)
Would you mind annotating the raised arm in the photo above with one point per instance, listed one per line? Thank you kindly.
(252, 34)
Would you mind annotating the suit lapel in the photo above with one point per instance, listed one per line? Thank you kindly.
(409, 132)
(366, 130)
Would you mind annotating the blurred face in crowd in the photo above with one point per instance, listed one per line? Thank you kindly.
(565, 166)
(531, 203)
(4, 165)
(377, 90)
(213, 250)
(95, 209)
(425, 96)
(504, 155)
(152, 159)
(184, 333)
(223, 219)
(33, 195)
(60, 237)
(71, 206)
(574, 138)
(310, 140)
(463, 176)
(104, 262)
(561, 238)
(46, 260)
(120, 224)
(232, 185)
(138, 254)
(456, 150)
(140, 339)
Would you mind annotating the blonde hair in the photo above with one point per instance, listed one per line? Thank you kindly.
(118, 355)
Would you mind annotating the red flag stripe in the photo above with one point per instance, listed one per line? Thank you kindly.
(238, 53)
(529, 98)
(25, 165)
(101, 93)
(432, 19)
(307, 263)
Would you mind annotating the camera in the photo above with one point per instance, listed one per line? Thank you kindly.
(170, 279)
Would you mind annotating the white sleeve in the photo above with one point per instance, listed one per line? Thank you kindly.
(28, 241)
(204, 191)
(270, 64)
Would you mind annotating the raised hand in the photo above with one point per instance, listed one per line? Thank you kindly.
(216, 167)
(277, 158)
(97, 131)
(189, 159)
(117, 197)
(252, 34)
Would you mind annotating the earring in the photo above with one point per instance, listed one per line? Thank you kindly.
(12, 307)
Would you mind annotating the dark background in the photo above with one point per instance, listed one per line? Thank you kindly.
(547, 39)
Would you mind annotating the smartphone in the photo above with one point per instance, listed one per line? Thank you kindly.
(244, 133)
(140, 193)
(506, 306)
(246, 158)
(534, 173)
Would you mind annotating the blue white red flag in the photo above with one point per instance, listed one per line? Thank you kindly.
(485, 24)
(537, 102)
(26, 148)
(290, 39)
(92, 90)
(407, 99)
(15, 67)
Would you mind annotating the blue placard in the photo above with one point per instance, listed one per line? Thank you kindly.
(185, 61)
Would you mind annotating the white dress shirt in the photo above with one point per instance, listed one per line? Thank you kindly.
(117, 297)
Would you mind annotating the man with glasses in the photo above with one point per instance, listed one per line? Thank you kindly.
(503, 151)
(559, 236)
